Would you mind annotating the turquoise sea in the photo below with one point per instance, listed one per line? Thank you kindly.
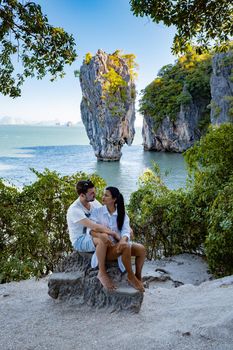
(67, 150)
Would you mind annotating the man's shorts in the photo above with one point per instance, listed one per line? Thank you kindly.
(84, 243)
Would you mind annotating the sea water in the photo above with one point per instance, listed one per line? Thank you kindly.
(67, 150)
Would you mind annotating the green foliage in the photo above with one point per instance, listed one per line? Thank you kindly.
(210, 161)
(206, 23)
(229, 99)
(197, 219)
(227, 60)
(33, 225)
(188, 79)
(88, 58)
(215, 108)
(210, 165)
(77, 73)
(164, 220)
(114, 82)
(130, 59)
(26, 35)
(219, 242)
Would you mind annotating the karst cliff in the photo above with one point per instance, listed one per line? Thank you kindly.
(195, 113)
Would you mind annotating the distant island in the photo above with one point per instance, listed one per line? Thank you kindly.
(18, 121)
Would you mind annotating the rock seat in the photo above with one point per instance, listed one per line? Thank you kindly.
(75, 280)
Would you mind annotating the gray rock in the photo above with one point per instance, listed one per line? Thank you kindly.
(222, 88)
(174, 136)
(74, 280)
(179, 135)
(108, 117)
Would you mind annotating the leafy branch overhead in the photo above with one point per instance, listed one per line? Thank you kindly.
(205, 23)
(30, 46)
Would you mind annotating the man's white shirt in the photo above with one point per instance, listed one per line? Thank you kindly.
(77, 212)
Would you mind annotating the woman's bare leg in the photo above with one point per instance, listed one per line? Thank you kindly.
(101, 250)
(139, 251)
(113, 254)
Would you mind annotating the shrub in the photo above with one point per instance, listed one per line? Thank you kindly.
(210, 163)
(219, 242)
(198, 218)
(164, 220)
(34, 234)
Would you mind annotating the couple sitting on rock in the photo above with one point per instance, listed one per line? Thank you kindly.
(105, 231)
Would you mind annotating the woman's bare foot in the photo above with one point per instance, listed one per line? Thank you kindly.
(138, 276)
(106, 281)
(134, 282)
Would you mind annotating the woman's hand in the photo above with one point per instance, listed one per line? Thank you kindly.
(114, 235)
(117, 236)
(103, 236)
(121, 245)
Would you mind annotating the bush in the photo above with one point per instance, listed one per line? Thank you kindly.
(199, 217)
(219, 242)
(164, 220)
(34, 234)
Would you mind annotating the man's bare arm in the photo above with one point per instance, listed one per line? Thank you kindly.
(96, 227)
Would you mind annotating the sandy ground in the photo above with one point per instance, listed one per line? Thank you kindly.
(190, 316)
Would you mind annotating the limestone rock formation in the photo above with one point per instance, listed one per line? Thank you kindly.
(179, 135)
(74, 280)
(222, 88)
(173, 136)
(108, 103)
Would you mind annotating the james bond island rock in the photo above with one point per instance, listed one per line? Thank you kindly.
(222, 88)
(108, 102)
(74, 280)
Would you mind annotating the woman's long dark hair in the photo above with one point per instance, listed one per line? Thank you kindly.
(120, 205)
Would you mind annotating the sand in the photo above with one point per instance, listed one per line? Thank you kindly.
(195, 315)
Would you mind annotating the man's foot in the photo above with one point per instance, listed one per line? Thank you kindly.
(134, 282)
(106, 281)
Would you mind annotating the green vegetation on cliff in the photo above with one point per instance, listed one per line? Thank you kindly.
(115, 84)
(117, 80)
(185, 81)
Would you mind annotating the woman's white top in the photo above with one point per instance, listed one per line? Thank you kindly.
(102, 216)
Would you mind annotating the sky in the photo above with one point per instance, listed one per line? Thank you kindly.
(95, 24)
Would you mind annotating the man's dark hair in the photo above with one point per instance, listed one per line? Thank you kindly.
(83, 186)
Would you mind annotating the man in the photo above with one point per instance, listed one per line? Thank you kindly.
(78, 223)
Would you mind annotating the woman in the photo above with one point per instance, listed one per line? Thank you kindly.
(112, 215)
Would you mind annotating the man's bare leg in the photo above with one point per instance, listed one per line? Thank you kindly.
(139, 251)
(101, 250)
